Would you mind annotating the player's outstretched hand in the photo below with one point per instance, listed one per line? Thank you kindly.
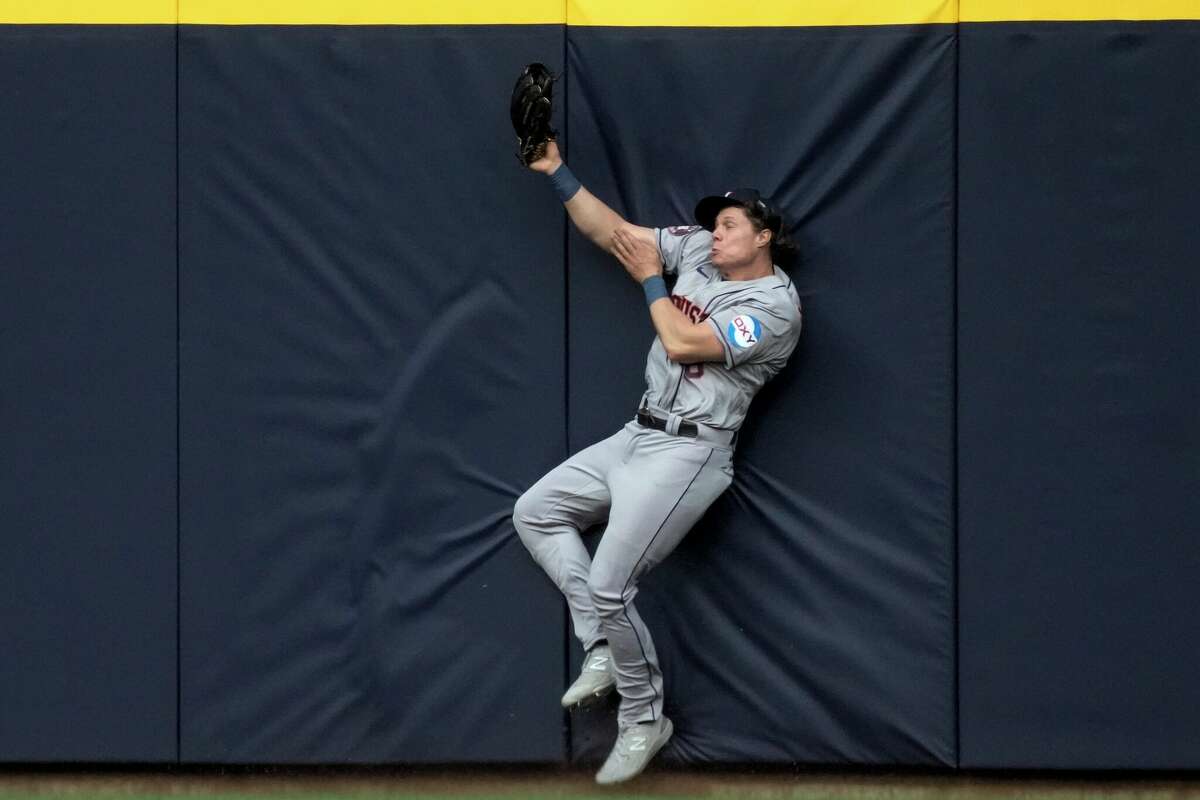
(550, 161)
(639, 257)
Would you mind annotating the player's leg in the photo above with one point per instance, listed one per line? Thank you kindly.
(551, 515)
(657, 498)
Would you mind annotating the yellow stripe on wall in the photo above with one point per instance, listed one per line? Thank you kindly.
(1076, 10)
(84, 12)
(765, 13)
(372, 12)
(284, 12)
(650, 13)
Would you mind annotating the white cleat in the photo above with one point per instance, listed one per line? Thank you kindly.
(635, 746)
(596, 679)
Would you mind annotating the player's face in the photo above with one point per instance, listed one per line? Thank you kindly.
(735, 242)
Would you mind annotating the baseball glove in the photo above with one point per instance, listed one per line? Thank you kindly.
(530, 111)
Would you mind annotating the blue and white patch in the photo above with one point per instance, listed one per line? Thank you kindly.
(682, 230)
(743, 331)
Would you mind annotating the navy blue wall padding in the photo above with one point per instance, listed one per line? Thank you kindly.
(1079, 446)
(285, 331)
(87, 394)
(810, 616)
(372, 372)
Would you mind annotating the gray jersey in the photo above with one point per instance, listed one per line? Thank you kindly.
(758, 323)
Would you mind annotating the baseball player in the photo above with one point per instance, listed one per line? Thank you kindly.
(730, 324)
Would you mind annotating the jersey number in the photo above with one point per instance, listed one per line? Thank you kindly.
(693, 371)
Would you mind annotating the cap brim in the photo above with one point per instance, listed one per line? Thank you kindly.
(708, 208)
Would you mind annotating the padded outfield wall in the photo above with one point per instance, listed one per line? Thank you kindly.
(287, 330)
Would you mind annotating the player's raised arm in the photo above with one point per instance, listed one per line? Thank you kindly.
(590, 215)
(531, 109)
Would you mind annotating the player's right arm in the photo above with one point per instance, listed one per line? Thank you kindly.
(590, 215)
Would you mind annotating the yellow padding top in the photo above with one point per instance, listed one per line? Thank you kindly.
(372, 12)
(95, 12)
(284, 12)
(766, 13)
(1076, 10)
(630, 13)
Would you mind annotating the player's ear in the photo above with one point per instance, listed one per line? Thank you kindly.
(763, 238)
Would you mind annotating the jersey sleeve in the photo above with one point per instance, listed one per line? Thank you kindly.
(683, 248)
(756, 332)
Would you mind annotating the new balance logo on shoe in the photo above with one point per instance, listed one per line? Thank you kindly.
(599, 663)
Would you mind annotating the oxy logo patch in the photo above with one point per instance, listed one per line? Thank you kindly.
(682, 230)
(744, 331)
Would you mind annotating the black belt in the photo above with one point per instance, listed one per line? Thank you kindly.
(651, 421)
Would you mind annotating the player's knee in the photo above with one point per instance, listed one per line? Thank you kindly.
(526, 512)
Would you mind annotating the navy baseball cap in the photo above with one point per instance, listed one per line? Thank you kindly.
(750, 199)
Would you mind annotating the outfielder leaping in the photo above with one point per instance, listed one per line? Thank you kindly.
(731, 324)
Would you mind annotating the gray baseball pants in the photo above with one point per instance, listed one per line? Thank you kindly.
(652, 486)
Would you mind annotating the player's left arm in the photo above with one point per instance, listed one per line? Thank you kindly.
(685, 342)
